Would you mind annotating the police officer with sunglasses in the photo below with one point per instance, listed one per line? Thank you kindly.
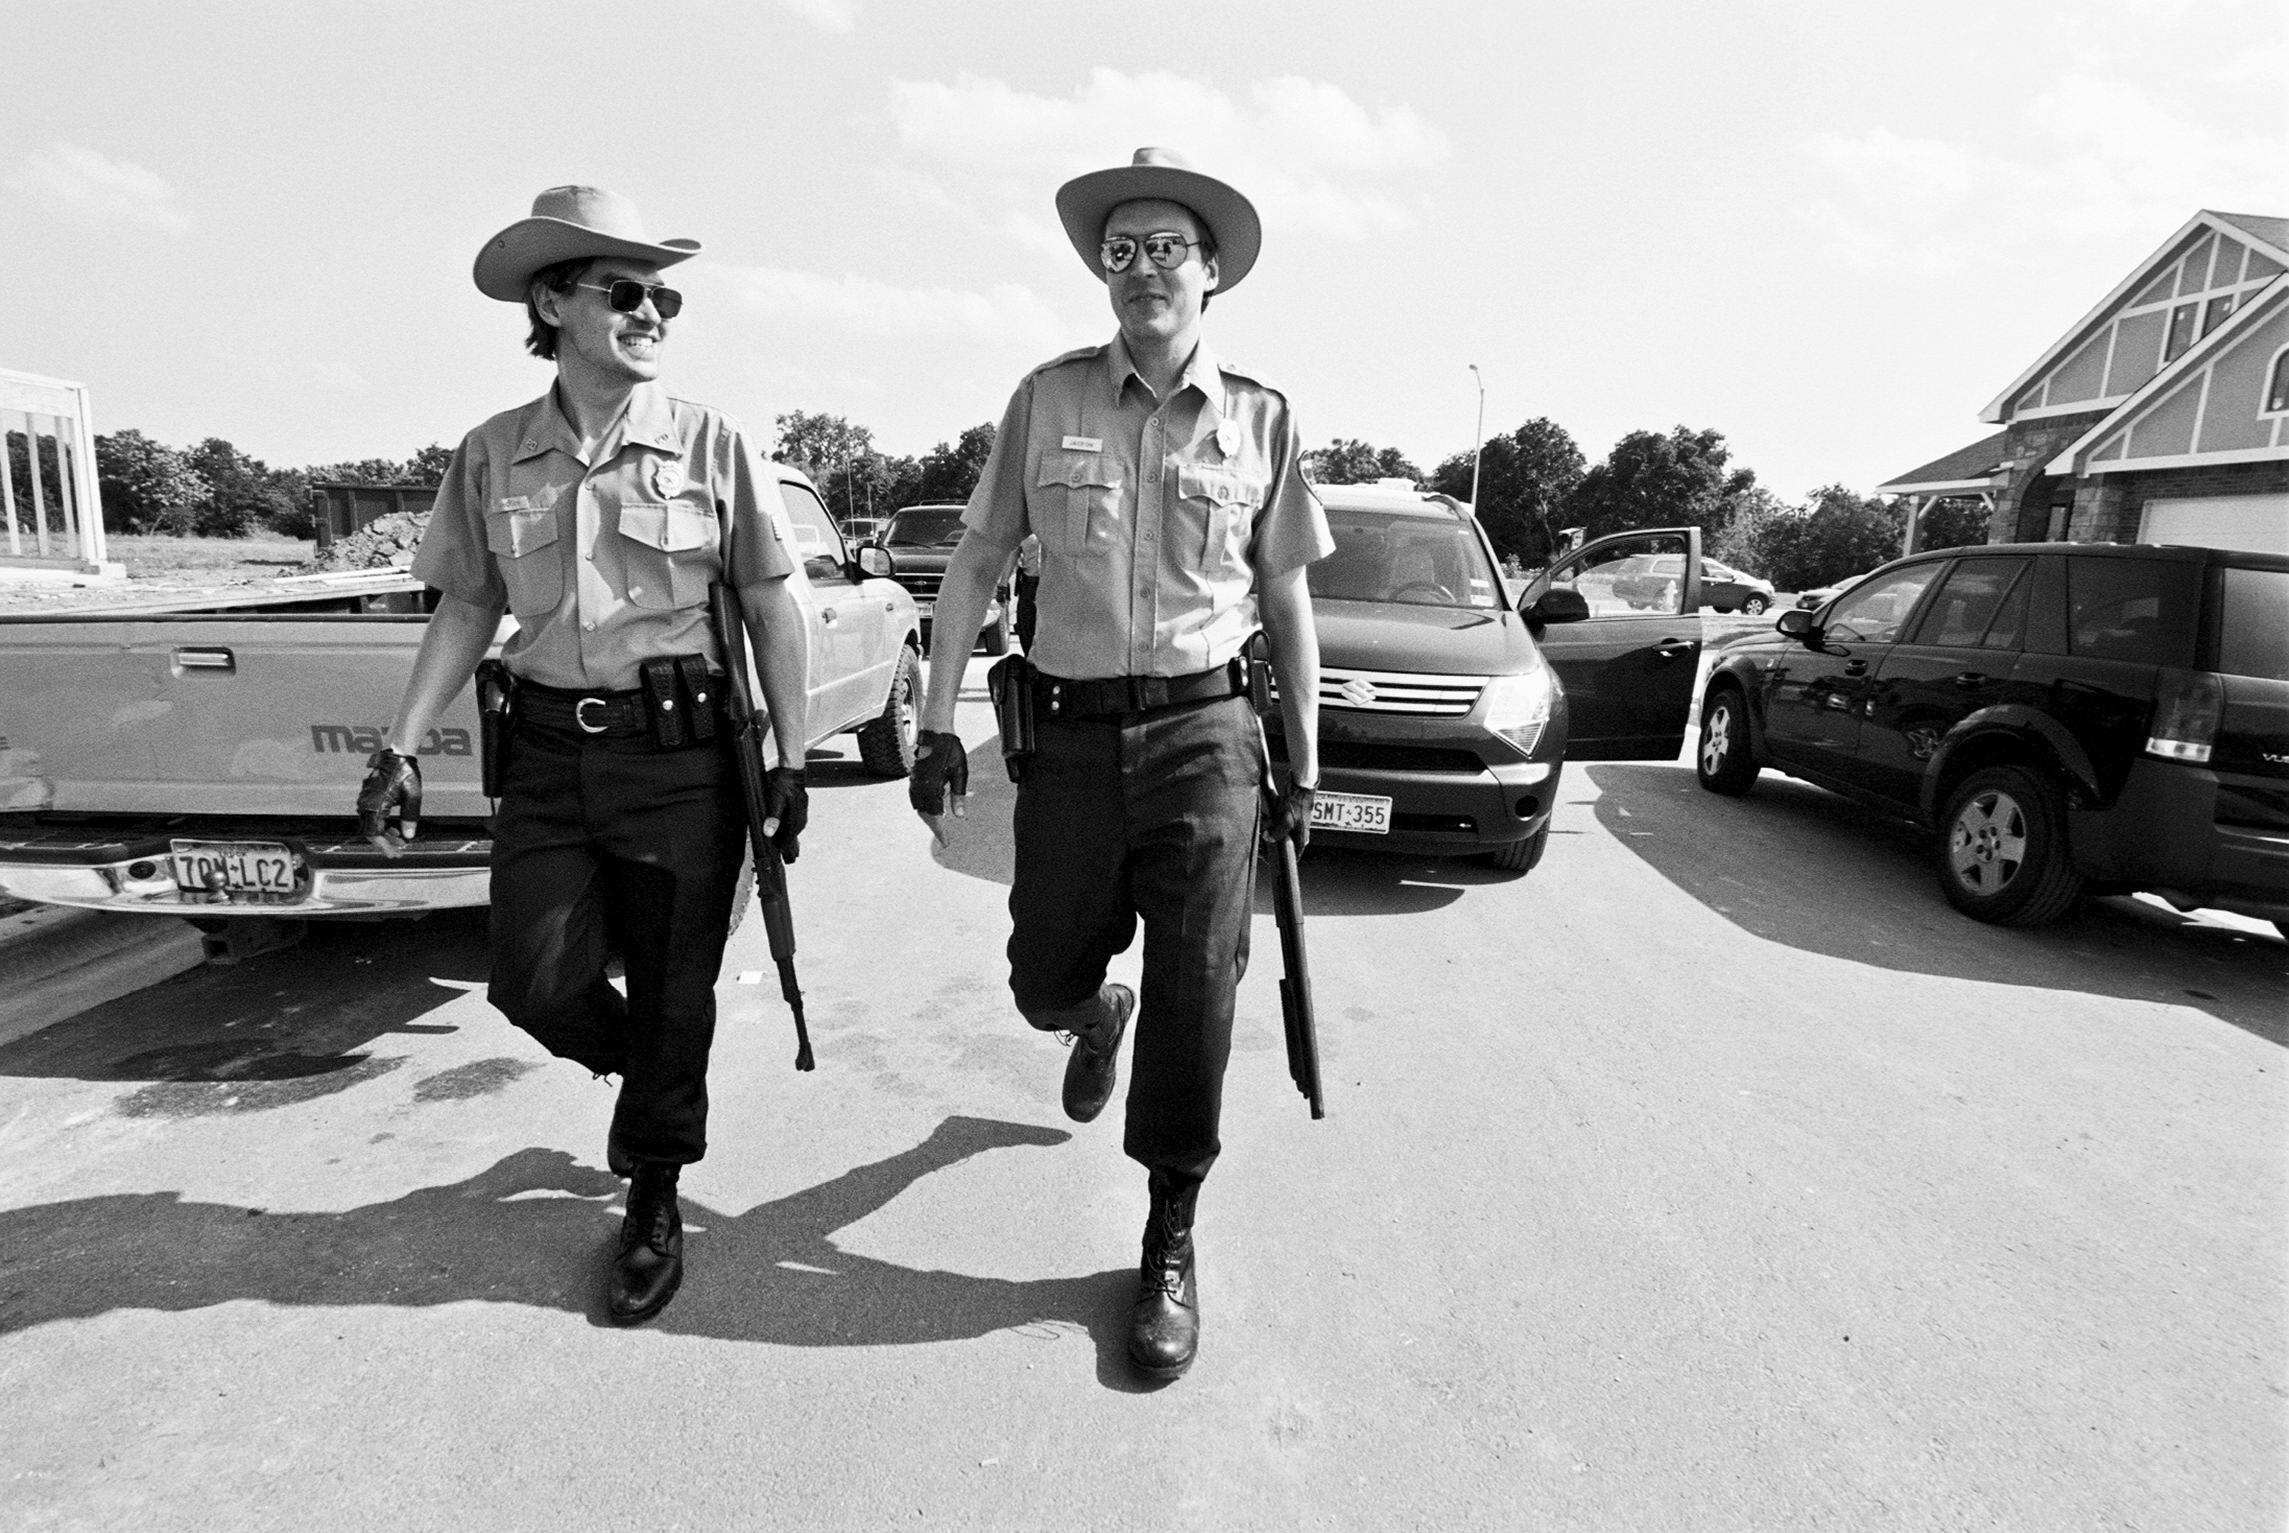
(598, 516)
(1166, 491)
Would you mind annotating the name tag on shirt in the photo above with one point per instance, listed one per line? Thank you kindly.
(1084, 444)
(516, 503)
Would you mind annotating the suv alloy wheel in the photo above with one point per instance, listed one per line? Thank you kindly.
(2002, 849)
(1723, 762)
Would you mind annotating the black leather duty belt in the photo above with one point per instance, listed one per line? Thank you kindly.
(1115, 695)
(611, 715)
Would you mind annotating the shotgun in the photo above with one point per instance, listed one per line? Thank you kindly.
(1296, 1014)
(748, 722)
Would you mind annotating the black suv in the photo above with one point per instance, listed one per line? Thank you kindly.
(921, 541)
(2068, 718)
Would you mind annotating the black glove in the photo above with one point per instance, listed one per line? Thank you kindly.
(392, 782)
(1290, 817)
(787, 799)
(940, 763)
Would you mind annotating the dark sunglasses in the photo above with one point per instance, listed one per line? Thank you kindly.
(627, 295)
(1165, 248)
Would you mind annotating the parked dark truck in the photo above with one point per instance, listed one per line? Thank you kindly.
(203, 763)
(921, 539)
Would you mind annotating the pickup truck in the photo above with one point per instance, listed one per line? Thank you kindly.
(922, 540)
(203, 763)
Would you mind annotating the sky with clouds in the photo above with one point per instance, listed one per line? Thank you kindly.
(1830, 231)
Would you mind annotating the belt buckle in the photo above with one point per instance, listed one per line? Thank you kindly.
(580, 716)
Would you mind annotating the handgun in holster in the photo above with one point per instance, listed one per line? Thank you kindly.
(496, 712)
(1255, 678)
(1010, 684)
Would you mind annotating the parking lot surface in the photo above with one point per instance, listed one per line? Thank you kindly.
(1714, 1175)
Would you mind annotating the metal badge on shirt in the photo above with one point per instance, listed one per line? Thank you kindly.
(667, 477)
(1227, 438)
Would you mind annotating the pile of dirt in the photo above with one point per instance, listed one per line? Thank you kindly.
(386, 542)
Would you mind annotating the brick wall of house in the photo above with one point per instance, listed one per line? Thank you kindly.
(2108, 507)
(2024, 504)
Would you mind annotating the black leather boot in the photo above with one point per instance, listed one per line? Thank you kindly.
(1164, 1328)
(1095, 1065)
(650, 1264)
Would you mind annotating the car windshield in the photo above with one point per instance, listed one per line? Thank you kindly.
(1389, 556)
(927, 529)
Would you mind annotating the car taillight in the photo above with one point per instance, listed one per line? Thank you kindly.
(2187, 706)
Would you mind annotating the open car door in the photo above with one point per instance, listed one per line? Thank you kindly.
(1628, 667)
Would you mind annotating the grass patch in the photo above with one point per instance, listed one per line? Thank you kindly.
(156, 554)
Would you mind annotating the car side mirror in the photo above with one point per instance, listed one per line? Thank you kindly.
(1797, 624)
(874, 561)
(1559, 604)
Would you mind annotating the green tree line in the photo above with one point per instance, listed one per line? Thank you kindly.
(214, 490)
(1534, 484)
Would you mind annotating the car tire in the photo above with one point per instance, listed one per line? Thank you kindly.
(886, 741)
(1723, 763)
(2002, 849)
(1521, 856)
(1755, 606)
(997, 637)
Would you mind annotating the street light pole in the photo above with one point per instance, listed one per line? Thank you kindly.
(1478, 437)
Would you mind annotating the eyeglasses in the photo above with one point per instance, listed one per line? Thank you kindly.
(627, 295)
(1165, 248)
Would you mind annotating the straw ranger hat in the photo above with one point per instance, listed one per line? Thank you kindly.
(568, 222)
(1084, 202)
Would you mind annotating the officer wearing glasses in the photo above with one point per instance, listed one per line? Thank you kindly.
(1165, 489)
(598, 515)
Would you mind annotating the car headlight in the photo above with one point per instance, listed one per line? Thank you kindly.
(1518, 707)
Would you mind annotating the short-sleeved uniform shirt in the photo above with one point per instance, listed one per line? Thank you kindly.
(605, 562)
(1156, 517)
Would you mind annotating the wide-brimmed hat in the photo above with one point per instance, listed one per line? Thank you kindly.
(568, 222)
(1084, 203)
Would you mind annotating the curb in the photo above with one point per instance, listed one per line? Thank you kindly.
(57, 961)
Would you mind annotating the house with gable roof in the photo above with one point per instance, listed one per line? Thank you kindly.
(2162, 416)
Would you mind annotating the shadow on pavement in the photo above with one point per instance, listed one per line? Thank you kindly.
(537, 1229)
(1794, 864)
(282, 1028)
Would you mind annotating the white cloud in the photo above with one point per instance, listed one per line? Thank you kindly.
(2097, 159)
(1304, 151)
(94, 186)
(862, 306)
(826, 15)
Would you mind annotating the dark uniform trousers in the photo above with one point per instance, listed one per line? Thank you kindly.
(1150, 815)
(603, 845)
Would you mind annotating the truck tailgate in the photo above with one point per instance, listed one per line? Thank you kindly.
(246, 714)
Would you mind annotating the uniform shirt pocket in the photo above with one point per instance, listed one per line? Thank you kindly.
(1074, 492)
(1221, 505)
(523, 544)
(669, 551)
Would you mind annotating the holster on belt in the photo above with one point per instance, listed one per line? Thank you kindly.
(496, 713)
(1010, 684)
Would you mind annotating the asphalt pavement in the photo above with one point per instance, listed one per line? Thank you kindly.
(1714, 1175)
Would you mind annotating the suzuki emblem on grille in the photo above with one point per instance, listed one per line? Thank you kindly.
(1358, 693)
